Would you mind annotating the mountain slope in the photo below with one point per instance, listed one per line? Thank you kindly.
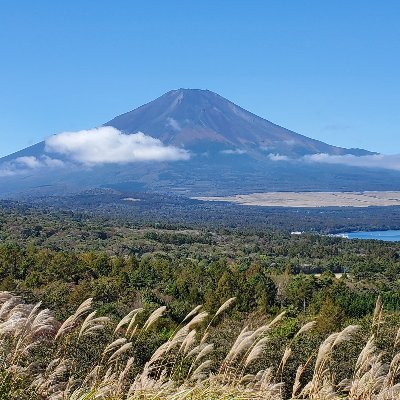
(231, 151)
(195, 118)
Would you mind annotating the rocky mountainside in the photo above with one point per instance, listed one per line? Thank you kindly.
(190, 142)
(200, 118)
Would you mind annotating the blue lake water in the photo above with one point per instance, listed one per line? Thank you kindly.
(388, 236)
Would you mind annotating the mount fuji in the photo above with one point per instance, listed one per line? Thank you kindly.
(190, 142)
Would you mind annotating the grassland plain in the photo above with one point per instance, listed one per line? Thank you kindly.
(313, 199)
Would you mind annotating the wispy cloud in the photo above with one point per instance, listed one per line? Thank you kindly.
(174, 124)
(233, 151)
(27, 164)
(278, 157)
(369, 161)
(278, 144)
(107, 145)
(381, 161)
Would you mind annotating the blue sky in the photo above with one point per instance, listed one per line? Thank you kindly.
(328, 70)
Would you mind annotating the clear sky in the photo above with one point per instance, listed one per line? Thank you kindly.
(327, 69)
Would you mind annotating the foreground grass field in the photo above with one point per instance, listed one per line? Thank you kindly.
(41, 358)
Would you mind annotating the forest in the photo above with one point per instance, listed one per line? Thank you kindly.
(275, 296)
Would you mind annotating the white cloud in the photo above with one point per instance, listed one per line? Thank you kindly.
(278, 144)
(108, 145)
(236, 151)
(6, 171)
(27, 164)
(278, 157)
(369, 161)
(52, 162)
(174, 124)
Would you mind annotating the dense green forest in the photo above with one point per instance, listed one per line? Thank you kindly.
(61, 258)
(167, 209)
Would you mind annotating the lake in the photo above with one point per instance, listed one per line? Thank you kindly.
(388, 236)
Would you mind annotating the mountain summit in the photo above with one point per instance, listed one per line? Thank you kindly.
(191, 142)
(201, 118)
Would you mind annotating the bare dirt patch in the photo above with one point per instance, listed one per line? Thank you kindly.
(313, 199)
